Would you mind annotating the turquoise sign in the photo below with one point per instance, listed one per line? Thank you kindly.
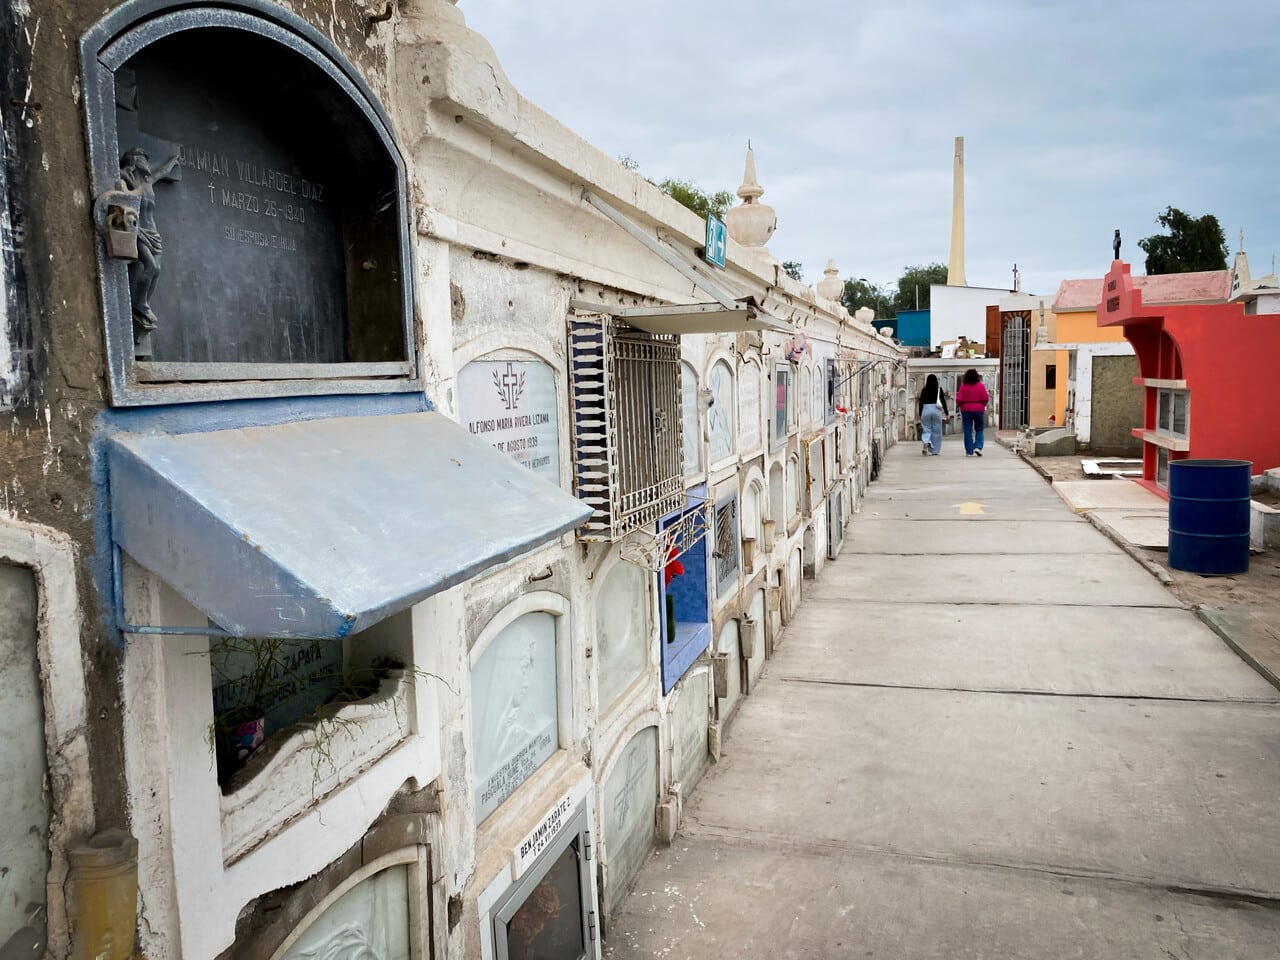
(716, 234)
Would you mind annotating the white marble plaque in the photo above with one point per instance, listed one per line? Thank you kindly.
(513, 708)
(369, 922)
(629, 804)
(727, 642)
(622, 630)
(794, 572)
(793, 487)
(806, 379)
(690, 717)
(749, 406)
(512, 405)
(720, 416)
(816, 481)
(756, 611)
(751, 515)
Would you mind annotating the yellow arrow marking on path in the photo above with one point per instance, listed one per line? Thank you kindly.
(969, 508)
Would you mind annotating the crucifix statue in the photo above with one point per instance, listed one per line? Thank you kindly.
(139, 178)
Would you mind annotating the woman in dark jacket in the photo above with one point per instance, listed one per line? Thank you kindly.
(972, 399)
(931, 408)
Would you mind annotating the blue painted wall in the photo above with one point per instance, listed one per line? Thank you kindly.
(913, 328)
(692, 598)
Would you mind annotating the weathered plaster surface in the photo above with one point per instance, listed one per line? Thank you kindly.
(502, 243)
(51, 556)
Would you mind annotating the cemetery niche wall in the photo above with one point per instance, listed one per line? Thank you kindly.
(253, 221)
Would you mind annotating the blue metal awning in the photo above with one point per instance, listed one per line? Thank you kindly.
(323, 527)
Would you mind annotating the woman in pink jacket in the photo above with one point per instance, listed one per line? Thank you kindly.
(972, 399)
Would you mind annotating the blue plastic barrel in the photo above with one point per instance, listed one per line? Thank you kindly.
(1209, 516)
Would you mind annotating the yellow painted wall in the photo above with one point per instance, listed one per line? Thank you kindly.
(1043, 401)
(1078, 328)
(1083, 328)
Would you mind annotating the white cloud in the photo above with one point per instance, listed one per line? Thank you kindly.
(1079, 116)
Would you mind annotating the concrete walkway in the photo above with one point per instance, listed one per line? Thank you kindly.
(988, 733)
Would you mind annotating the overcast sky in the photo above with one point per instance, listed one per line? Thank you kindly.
(1078, 117)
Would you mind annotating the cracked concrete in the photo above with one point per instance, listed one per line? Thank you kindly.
(986, 735)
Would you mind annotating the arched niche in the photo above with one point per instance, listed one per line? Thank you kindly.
(791, 594)
(752, 505)
(272, 246)
(622, 631)
(378, 912)
(629, 799)
(727, 645)
(749, 386)
(519, 700)
(756, 615)
(793, 487)
(690, 715)
(806, 380)
(778, 497)
(720, 419)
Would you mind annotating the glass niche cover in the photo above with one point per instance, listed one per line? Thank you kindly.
(369, 922)
(513, 708)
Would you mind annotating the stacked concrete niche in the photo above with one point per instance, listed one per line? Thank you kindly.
(341, 561)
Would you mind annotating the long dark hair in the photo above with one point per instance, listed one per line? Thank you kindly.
(931, 390)
(971, 376)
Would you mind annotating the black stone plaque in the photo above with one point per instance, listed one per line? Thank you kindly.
(279, 201)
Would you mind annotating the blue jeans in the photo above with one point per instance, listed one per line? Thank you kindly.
(972, 429)
(931, 425)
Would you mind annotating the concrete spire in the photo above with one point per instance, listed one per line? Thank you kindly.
(750, 191)
(751, 223)
(1240, 279)
(955, 265)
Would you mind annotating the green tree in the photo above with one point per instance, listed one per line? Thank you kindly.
(860, 293)
(689, 194)
(793, 269)
(913, 285)
(1192, 243)
(686, 192)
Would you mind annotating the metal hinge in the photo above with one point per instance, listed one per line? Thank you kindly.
(587, 849)
(591, 925)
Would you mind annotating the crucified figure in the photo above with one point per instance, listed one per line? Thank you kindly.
(139, 178)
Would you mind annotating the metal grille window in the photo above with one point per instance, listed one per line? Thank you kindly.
(627, 448)
(726, 548)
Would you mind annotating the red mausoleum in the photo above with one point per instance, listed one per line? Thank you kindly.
(1210, 378)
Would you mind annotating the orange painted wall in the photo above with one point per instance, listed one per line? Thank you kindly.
(1083, 328)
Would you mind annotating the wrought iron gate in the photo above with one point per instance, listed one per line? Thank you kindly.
(1015, 370)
